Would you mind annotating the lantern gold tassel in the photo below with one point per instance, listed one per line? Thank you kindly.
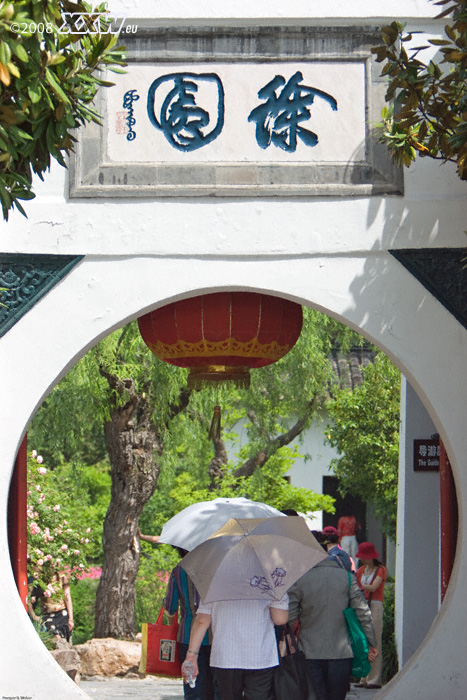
(218, 375)
(215, 429)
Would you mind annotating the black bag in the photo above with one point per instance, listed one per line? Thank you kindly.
(291, 680)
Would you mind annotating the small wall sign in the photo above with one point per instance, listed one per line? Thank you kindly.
(426, 455)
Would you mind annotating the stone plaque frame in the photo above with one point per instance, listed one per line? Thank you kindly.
(373, 173)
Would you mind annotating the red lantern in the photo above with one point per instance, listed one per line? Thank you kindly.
(220, 336)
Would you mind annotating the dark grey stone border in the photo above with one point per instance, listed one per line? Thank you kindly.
(91, 176)
(443, 272)
(26, 279)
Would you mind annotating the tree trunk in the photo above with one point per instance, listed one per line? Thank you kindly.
(132, 442)
(219, 460)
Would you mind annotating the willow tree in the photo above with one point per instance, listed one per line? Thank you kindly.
(124, 398)
(150, 421)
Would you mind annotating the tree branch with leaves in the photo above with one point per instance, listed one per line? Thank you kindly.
(427, 112)
(49, 77)
(364, 429)
(272, 445)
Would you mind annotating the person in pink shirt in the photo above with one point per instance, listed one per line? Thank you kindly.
(347, 528)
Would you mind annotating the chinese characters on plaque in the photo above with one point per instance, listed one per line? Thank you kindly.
(185, 123)
(238, 112)
(285, 106)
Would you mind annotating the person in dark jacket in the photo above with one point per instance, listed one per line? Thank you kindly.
(319, 598)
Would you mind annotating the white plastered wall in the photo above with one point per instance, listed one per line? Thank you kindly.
(330, 253)
(375, 294)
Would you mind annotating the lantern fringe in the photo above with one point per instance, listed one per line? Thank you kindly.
(215, 429)
(199, 380)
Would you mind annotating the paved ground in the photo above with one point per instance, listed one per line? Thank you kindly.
(361, 694)
(162, 689)
(139, 689)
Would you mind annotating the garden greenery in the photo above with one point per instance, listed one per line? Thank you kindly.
(57, 542)
(49, 76)
(365, 431)
(427, 115)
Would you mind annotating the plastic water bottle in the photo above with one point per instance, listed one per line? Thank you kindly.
(189, 673)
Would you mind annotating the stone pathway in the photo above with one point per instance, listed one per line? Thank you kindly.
(151, 688)
(142, 689)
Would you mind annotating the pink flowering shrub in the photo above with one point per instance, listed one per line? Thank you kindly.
(92, 572)
(163, 576)
(55, 542)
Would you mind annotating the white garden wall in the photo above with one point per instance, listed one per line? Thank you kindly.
(328, 252)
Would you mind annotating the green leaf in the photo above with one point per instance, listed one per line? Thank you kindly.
(57, 59)
(445, 13)
(450, 32)
(35, 93)
(5, 53)
(19, 51)
(50, 137)
(13, 69)
(25, 194)
(5, 197)
(55, 85)
(19, 133)
(19, 207)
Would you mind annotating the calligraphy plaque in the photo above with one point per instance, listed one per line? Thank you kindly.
(239, 112)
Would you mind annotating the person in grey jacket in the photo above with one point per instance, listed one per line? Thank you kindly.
(318, 598)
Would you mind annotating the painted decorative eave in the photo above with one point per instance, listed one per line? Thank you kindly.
(443, 272)
(26, 279)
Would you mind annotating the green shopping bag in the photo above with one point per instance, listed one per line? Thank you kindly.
(361, 666)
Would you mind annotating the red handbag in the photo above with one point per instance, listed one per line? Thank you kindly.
(159, 648)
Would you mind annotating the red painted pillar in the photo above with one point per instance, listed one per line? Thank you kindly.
(449, 519)
(17, 521)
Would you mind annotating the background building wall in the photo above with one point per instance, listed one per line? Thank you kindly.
(418, 542)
